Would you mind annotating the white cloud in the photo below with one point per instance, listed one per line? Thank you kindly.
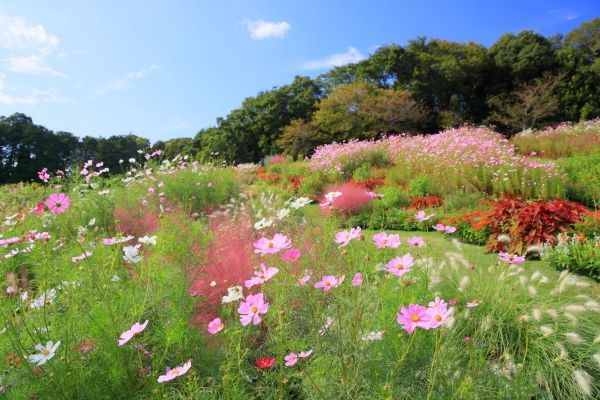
(13, 95)
(126, 81)
(33, 65)
(261, 29)
(29, 47)
(335, 60)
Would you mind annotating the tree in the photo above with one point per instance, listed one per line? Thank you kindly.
(528, 106)
(300, 138)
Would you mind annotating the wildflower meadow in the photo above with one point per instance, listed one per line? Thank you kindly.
(449, 266)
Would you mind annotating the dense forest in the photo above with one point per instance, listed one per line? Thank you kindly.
(522, 81)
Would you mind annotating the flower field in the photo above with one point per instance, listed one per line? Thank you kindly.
(361, 274)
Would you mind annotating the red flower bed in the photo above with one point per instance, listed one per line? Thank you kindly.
(421, 203)
(293, 183)
(369, 184)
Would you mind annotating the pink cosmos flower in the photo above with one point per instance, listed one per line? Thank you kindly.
(511, 258)
(215, 326)
(357, 280)
(272, 246)
(304, 354)
(444, 228)
(81, 257)
(39, 209)
(374, 195)
(473, 303)
(421, 216)
(251, 308)
(175, 372)
(135, 329)
(415, 316)
(438, 312)
(302, 281)
(328, 282)
(452, 302)
(383, 240)
(344, 237)
(400, 265)
(209, 184)
(291, 255)
(416, 241)
(109, 241)
(261, 276)
(44, 175)
(291, 359)
(58, 203)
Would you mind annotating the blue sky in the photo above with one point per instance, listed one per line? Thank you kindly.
(164, 69)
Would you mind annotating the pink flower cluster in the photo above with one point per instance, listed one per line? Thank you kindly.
(417, 316)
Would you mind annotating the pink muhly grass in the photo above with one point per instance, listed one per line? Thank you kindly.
(277, 159)
(351, 201)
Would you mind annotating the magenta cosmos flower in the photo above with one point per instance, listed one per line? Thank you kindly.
(272, 246)
(416, 241)
(357, 280)
(328, 282)
(412, 317)
(291, 255)
(438, 312)
(58, 203)
(344, 237)
(473, 303)
(421, 216)
(215, 326)
(383, 240)
(400, 265)
(135, 329)
(511, 258)
(444, 228)
(261, 276)
(302, 281)
(175, 372)
(251, 308)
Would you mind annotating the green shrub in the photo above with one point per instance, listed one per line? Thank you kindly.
(421, 186)
(362, 173)
(393, 197)
(577, 254)
(583, 178)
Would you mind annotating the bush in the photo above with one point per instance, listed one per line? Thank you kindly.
(421, 203)
(393, 197)
(362, 173)
(576, 253)
(583, 183)
(422, 186)
(469, 228)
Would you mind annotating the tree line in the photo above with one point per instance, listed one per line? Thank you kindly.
(522, 81)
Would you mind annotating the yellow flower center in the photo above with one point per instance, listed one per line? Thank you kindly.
(415, 318)
(46, 352)
(399, 267)
(438, 317)
(254, 309)
(327, 283)
(270, 245)
(384, 241)
(174, 371)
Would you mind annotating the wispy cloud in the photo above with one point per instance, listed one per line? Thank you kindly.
(126, 81)
(335, 60)
(12, 95)
(29, 47)
(33, 65)
(261, 29)
(565, 15)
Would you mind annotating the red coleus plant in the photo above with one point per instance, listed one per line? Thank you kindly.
(293, 183)
(369, 184)
(265, 362)
(420, 203)
(529, 224)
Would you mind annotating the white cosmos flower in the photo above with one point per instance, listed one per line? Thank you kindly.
(300, 202)
(263, 223)
(284, 212)
(45, 298)
(45, 353)
(234, 293)
(332, 195)
(132, 253)
(371, 336)
(148, 240)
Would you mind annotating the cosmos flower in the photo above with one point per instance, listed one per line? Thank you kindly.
(328, 282)
(251, 308)
(45, 353)
(175, 372)
(58, 203)
(511, 258)
(135, 329)
(383, 240)
(415, 241)
(421, 216)
(234, 293)
(400, 265)
(272, 246)
(265, 362)
(357, 280)
(261, 276)
(215, 326)
(291, 255)
(344, 237)
(415, 316)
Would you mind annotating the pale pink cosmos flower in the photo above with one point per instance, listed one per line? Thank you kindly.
(302, 281)
(44, 175)
(291, 359)
(81, 257)
(344, 237)
(374, 195)
(251, 308)
(357, 280)
(215, 326)
(291, 255)
(415, 316)
(304, 354)
(473, 303)
(511, 258)
(175, 372)
(58, 203)
(109, 241)
(438, 312)
(328, 282)
(400, 265)
(421, 216)
(444, 228)
(416, 241)
(383, 240)
(272, 246)
(135, 329)
(261, 276)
